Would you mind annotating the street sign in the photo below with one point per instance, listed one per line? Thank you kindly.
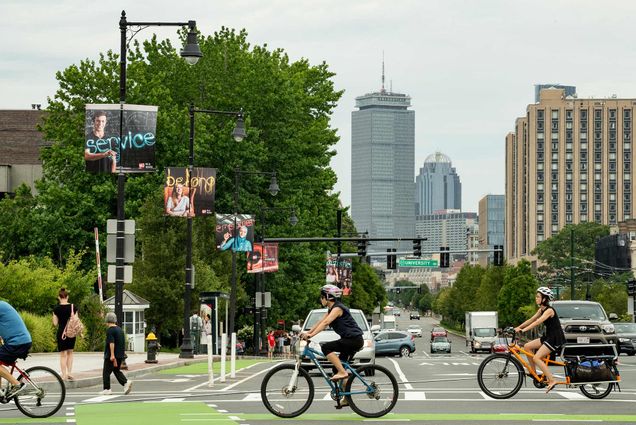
(112, 269)
(631, 287)
(405, 262)
(263, 299)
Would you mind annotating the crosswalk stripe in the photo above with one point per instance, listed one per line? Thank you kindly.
(414, 395)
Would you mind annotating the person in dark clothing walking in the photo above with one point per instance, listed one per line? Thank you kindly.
(114, 355)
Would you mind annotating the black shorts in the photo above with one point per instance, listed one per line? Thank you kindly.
(11, 353)
(551, 343)
(345, 346)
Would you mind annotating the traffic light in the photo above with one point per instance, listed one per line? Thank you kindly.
(397, 290)
(362, 247)
(444, 256)
(498, 260)
(417, 247)
(391, 260)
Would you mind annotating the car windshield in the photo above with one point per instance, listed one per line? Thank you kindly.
(316, 315)
(626, 328)
(439, 330)
(440, 339)
(580, 311)
(414, 327)
(483, 332)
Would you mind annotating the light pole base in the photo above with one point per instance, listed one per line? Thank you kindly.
(186, 349)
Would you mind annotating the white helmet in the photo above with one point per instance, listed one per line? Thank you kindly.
(331, 292)
(544, 290)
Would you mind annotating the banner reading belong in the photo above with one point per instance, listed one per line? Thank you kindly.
(182, 201)
(225, 236)
(104, 152)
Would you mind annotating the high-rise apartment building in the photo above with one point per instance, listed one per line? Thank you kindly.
(568, 161)
(437, 186)
(383, 166)
(492, 212)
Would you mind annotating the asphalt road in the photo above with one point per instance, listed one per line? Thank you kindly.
(439, 388)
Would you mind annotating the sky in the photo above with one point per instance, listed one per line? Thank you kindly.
(469, 66)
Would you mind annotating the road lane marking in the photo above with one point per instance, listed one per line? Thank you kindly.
(414, 396)
(401, 375)
(253, 397)
(571, 395)
(101, 398)
(250, 377)
(172, 400)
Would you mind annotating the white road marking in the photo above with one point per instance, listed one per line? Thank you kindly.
(414, 395)
(249, 377)
(101, 398)
(253, 397)
(172, 400)
(401, 375)
(571, 395)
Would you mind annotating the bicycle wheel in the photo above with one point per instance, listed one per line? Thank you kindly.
(597, 391)
(44, 394)
(500, 376)
(283, 397)
(375, 394)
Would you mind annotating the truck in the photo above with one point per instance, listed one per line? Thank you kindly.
(388, 323)
(481, 330)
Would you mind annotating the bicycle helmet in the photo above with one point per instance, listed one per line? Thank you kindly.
(331, 292)
(546, 291)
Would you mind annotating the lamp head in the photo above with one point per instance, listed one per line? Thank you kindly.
(191, 51)
(239, 130)
(273, 186)
(293, 220)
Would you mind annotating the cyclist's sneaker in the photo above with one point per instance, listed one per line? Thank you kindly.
(16, 390)
(128, 387)
(343, 403)
(106, 392)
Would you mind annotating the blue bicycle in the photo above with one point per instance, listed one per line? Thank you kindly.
(287, 390)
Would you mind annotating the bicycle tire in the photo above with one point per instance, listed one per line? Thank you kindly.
(501, 372)
(379, 376)
(279, 378)
(50, 388)
(594, 392)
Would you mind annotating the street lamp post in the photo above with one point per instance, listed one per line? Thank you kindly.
(259, 316)
(273, 190)
(191, 53)
(238, 134)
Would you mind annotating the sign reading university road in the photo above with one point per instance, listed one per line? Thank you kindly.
(105, 150)
(405, 262)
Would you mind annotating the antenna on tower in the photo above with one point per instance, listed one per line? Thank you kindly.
(390, 86)
(382, 91)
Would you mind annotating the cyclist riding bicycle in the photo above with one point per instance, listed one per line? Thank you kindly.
(341, 321)
(17, 343)
(553, 339)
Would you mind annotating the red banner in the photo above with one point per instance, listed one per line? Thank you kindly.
(263, 259)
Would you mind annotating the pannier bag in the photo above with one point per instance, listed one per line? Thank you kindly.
(589, 371)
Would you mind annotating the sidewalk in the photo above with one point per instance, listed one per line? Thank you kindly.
(87, 367)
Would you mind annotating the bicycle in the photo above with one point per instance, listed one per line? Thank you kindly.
(500, 375)
(288, 391)
(44, 395)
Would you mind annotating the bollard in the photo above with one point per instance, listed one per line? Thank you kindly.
(223, 351)
(210, 363)
(233, 357)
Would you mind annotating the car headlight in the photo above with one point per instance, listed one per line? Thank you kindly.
(624, 339)
(477, 344)
(608, 329)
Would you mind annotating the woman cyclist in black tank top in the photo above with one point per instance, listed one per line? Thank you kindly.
(551, 341)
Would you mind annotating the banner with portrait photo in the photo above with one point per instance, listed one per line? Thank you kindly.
(339, 273)
(182, 201)
(104, 152)
(263, 259)
(225, 236)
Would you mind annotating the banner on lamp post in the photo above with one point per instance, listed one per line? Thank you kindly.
(263, 258)
(241, 240)
(105, 150)
(180, 200)
(339, 273)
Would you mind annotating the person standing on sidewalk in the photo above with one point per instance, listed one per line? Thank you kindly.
(114, 355)
(195, 332)
(65, 345)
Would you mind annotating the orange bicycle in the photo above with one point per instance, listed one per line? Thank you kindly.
(501, 375)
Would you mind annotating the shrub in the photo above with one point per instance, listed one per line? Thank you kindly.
(42, 332)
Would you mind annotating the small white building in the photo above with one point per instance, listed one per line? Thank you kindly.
(133, 323)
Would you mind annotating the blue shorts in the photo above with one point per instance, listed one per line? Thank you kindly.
(11, 353)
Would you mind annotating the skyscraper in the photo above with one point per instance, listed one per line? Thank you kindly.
(492, 211)
(437, 186)
(383, 166)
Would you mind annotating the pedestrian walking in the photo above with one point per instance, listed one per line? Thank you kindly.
(65, 344)
(270, 345)
(114, 355)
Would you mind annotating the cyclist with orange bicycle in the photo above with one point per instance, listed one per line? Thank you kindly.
(553, 339)
(17, 343)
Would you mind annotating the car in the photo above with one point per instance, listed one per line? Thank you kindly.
(394, 343)
(414, 315)
(415, 330)
(500, 345)
(440, 344)
(396, 312)
(585, 322)
(438, 331)
(363, 357)
(626, 333)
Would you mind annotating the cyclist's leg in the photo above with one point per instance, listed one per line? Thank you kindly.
(532, 347)
(544, 351)
(8, 357)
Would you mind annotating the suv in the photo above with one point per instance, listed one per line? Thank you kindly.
(363, 357)
(585, 322)
(414, 315)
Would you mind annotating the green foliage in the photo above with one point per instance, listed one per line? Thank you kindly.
(42, 332)
(92, 315)
(516, 294)
(367, 291)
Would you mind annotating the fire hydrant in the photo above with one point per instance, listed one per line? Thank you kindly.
(152, 347)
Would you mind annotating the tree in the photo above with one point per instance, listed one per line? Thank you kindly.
(489, 287)
(516, 294)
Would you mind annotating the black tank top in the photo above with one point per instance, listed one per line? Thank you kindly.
(553, 329)
(345, 325)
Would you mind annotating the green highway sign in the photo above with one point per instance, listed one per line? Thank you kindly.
(405, 262)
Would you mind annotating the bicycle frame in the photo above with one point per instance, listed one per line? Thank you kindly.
(13, 367)
(517, 351)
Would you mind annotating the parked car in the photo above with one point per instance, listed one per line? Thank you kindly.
(626, 333)
(414, 315)
(394, 343)
(415, 330)
(585, 322)
(437, 331)
(365, 356)
(440, 344)
(500, 345)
